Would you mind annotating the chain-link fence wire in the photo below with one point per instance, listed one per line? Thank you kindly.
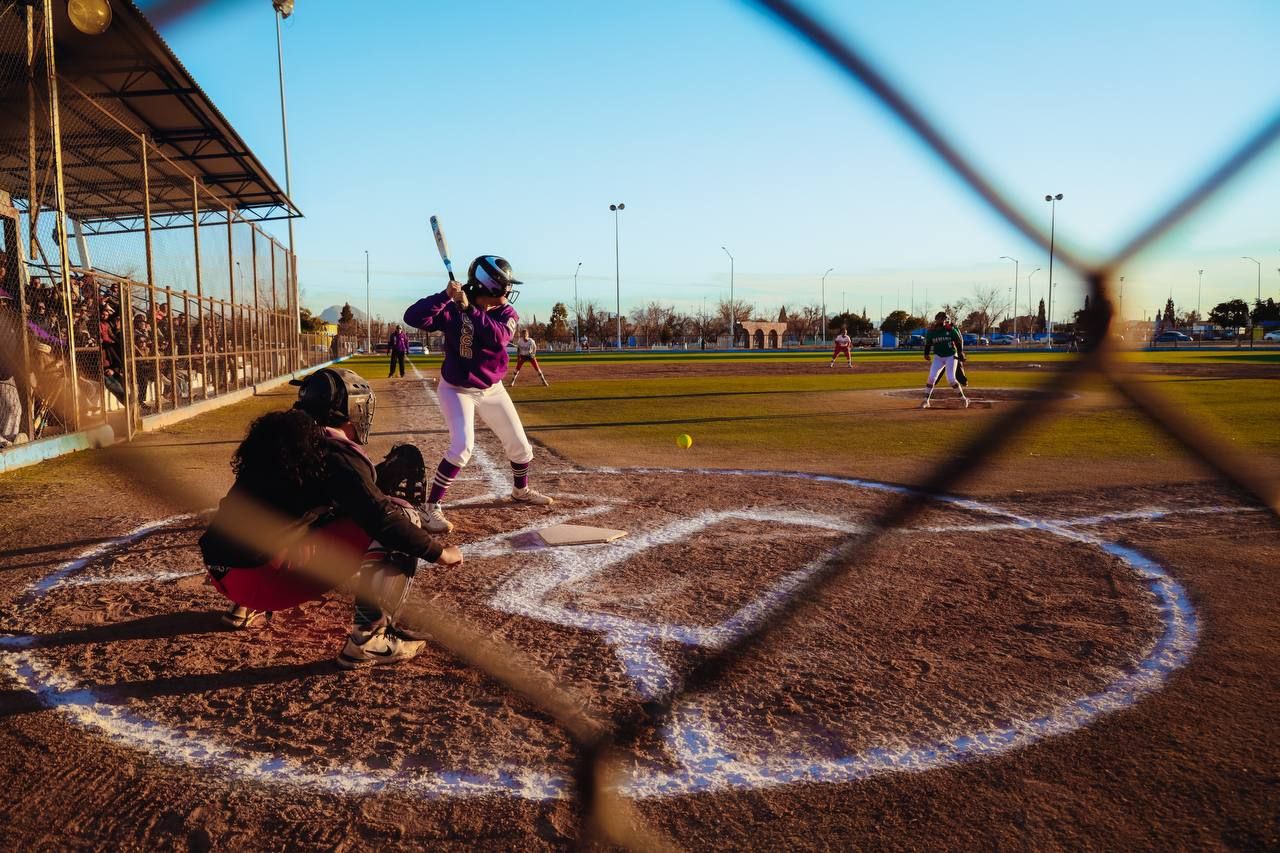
(603, 745)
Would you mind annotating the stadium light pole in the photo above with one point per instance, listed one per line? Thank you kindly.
(1053, 217)
(284, 8)
(1259, 263)
(1030, 276)
(368, 318)
(617, 270)
(824, 303)
(577, 315)
(1199, 290)
(732, 308)
(1015, 293)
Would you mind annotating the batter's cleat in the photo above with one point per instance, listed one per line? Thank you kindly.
(529, 496)
(381, 646)
(241, 617)
(436, 522)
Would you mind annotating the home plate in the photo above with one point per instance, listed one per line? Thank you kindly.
(577, 534)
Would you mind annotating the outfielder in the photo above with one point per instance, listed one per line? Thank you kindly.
(478, 322)
(304, 483)
(948, 350)
(844, 346)
(527, 350)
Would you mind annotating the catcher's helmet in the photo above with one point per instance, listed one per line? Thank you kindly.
(490, 275)
(334, 396)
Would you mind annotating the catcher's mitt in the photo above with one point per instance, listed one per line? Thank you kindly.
(403, 473)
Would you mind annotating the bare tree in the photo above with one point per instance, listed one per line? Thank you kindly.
(986, 302)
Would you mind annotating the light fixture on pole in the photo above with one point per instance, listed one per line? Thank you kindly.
(1015, 293)
(577, 315)
(1259, 263)
(368, 317)
(284, 8)
(91, 17)
(1053, 217)
(617, 274)
(1199, 290)
(824, 304)
(733, 309)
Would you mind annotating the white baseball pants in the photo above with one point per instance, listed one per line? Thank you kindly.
(941, 362)
(460, 407)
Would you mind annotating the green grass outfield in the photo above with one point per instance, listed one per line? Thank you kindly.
(764, 416)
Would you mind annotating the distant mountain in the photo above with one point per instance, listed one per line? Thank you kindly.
(333, 312)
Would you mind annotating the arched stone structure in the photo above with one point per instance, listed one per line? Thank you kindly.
(761, 335)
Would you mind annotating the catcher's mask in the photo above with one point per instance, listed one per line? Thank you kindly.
(334, 396)
(490, 275)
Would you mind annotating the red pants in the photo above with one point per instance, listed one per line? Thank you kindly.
(533, 359)
(276, 585)
(839, 351)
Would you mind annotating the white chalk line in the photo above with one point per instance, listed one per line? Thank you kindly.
(708, 765)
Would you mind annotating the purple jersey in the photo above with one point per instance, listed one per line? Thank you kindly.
(475, 340)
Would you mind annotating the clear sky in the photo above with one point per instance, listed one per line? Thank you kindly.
(518, 123)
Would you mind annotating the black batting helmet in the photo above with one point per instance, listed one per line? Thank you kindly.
(334, 396)
(490, 275)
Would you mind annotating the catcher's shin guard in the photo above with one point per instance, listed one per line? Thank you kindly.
(403, 474)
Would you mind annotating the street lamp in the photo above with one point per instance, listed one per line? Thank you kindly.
(824, 304)
(617, 275)
(368, 317)
(1120, 313)
(1015, 293)
(1053, 215)
(1030, 276)
(732, 307)
(1199, 288)
(1259, 263)
(577, 315)
(284, 8)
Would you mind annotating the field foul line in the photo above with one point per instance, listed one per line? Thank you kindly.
(695, 735)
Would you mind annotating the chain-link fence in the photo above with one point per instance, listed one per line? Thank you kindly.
(129, 287)
(240, 312)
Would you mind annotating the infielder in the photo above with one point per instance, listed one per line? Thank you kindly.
(303, 482)
(948, 350)
(844, 346)
(478, 322)
(527, 350)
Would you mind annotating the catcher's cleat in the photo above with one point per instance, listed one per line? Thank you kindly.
(529, 496)
(241, 617)
(403, 473)
(436, 522)
(381, 646)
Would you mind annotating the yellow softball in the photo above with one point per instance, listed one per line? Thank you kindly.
(684, 440)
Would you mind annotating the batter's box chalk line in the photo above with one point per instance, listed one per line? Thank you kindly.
(695, 737)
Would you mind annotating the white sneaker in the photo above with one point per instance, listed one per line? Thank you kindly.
(376, 648)
(545, 383)
(529, 496)
(436, 522)
(240, 617)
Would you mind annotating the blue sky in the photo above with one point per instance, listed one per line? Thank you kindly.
(518, 123)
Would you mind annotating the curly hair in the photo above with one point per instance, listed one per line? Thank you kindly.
(282, 457)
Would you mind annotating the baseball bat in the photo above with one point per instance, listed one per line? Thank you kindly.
(443, 246)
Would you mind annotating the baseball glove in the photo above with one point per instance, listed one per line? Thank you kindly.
(403, 473)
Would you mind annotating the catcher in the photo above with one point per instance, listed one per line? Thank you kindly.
(303, 482)
(948, 354)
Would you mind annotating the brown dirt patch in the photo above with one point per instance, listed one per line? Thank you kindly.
(933, 634)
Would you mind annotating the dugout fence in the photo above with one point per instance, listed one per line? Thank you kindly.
(234, 296)
(130, 283)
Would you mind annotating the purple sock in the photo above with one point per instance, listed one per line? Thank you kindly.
(443, 479)
(520, 472)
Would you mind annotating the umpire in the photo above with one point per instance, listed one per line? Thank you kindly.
(397, 345)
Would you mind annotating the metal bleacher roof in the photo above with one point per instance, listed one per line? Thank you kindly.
(132, 74)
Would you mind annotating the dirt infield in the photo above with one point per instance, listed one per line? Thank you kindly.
(1088, 669)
